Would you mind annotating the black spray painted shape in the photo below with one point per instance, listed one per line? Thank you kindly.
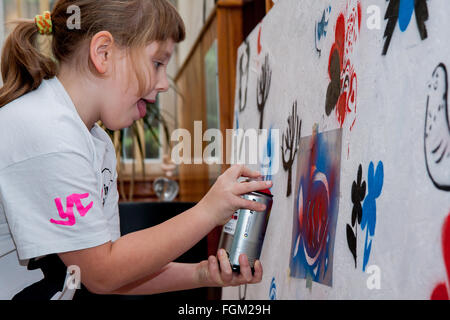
(358, 195)
(334, 88)
(244, 67)
(437, 129)
(290, 142)
(263, 88)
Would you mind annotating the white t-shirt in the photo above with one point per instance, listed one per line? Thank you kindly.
(58, 184)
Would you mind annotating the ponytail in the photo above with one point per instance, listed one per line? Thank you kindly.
(133, 23)
(23, 67)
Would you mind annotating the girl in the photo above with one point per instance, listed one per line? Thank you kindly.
(53, 201)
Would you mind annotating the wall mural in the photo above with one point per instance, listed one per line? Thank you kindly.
(359, 225)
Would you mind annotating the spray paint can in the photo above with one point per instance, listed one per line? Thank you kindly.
(250, 230)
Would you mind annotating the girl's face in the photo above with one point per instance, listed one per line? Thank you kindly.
(123, 103)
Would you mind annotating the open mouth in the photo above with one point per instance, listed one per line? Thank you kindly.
(142, 106)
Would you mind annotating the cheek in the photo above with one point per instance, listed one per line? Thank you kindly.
(117, 119)
(118, 111)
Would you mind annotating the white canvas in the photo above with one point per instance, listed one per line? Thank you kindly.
(398, 122)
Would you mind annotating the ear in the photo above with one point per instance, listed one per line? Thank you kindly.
(100, 51)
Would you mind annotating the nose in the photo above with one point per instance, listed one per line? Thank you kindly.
(163, 83)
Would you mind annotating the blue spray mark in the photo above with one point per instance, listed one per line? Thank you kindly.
(375, 185)
(405, 13)
(323, 24)
(273, 290)
(268, 157)
(321, 29)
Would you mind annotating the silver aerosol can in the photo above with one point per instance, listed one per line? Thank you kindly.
(250, 230)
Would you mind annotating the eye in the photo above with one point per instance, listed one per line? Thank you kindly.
(157, 64)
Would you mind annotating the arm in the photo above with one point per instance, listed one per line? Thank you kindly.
(111, 266)
(183, 276)
(173, 277)
(106, 268)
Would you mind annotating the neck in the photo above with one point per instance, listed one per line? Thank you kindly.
(84, 95)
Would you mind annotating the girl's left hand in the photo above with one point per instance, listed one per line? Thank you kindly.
(216, 271)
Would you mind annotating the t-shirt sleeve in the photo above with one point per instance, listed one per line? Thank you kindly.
(111, 204)
(53, 204)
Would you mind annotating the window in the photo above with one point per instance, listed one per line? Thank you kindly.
(212, 108)
(11, 10)
(14, 9)
(212, 88)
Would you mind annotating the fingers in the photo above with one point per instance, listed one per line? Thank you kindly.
(246, 187)
(238, 171)
(225, 267)
(221, 273)
(250, 205)
(257, 276)
(246, 275)
(245, 269)
(214, 272)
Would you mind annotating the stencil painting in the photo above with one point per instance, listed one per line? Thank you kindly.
(289, 144)
(263, 88)
(437, 129)
(342, 90)
(401, 11)
(244, 66)
(320, 30)
(365, 214)
(316, 207)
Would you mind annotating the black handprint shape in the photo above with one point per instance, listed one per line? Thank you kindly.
(263, 88)
(290, 142)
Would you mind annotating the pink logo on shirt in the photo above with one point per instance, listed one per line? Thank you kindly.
(69, 216)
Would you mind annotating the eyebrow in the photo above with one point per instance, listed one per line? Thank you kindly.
(165, 55)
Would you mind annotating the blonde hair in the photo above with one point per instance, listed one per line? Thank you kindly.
(132, 23)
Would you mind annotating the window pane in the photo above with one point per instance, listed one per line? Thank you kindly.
(212, 109)
(30, 8)
(152, 148)
(11, 13)
(212, 88)
(15, 9)
(127, 144)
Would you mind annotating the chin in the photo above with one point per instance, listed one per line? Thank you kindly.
(114, 126)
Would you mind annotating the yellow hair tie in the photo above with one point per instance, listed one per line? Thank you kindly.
(44, 23)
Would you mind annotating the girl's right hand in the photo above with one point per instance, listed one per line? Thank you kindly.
(224, 197)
